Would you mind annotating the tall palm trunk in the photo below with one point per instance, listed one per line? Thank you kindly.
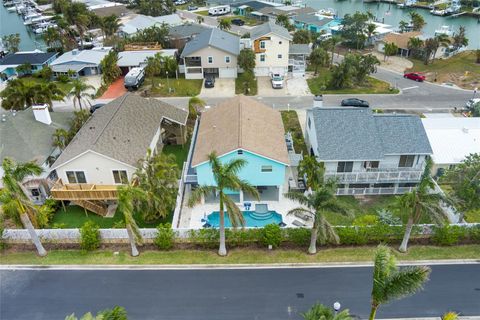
(222, 250)
(27, 224)
(133, 245)
(373, 312)
(406, 236)
(312, 249)
(79, 98)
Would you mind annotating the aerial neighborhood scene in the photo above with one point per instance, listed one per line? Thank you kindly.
(240, 159)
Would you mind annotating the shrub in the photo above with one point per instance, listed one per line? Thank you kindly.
(350, 236)
(165, 236)
(298, 236)
(2, 227)
(376, 234)
(448, 235)
(89, 236)
(386, 217)
(474, 233)
(63, 78)
(272, 235)
(59, 225)
(120, 224)
(366, 220)
(205, 238)
(44, 215)
(242, 237)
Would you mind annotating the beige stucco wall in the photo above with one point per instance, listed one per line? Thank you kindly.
(218, 58)
(272, 49)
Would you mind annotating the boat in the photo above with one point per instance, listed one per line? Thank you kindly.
(327, 12)
(407, 4)
(444, 30)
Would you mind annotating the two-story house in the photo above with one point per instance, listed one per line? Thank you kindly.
(368, 153)
(212, 52)
(271, 44)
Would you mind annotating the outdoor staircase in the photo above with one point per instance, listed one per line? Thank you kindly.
(97, 207)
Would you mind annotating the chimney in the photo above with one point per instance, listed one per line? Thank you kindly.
(42, 114)
(318, 101)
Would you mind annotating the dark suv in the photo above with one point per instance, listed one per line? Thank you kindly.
(209, 81)
(238, 22)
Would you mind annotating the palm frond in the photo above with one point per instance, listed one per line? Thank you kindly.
(326, 233)
(234, 213)
(198, 193)
(300, 210)
(405, 282)
(235, 165)
(248, 188)
(299, 197)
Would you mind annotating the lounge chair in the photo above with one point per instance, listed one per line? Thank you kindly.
(303, 216)
(298, 223)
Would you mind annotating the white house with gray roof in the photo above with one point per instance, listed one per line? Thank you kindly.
(80, 62)
(212, 52)
(368, 153)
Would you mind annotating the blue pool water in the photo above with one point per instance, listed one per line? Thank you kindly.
(252, 219)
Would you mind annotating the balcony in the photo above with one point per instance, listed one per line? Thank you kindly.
(375, 176)
(373, 191)
(83, 191)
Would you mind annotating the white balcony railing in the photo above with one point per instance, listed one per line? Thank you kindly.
(374, 176)
(373, 191)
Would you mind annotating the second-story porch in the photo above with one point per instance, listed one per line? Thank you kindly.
(83, 191)
(377, 175)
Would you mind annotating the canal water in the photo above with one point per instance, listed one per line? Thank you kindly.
(11, 22)
(392, 15)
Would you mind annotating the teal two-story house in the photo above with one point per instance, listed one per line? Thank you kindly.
(314, 23)
(242, 128)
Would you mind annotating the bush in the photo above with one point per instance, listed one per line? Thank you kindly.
(366, 220)
(386, 217)
(44, 215)
(120, 224)
(242, 237)
(371, 234)
(63, 78)
(165, 236)
(448, 235)
(59, 225)
(89, 236)
(474, 233)
(298, 236)
(272, 235)
(205, 238)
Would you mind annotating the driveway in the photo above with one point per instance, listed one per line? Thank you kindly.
(265, 88)
(298, 87)
(115, 90)
(224, 87)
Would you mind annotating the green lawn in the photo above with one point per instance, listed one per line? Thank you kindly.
(202, 13)
(319, 84)
(75, 217)
(248, 21)
(235, 256)
(179, 87)
(460, 69)
(65, 87)
(292, 124)
(180, 152)
(472, 216)
(246, 80)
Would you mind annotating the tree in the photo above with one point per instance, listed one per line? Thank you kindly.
(127, 195)
(155, 33)
(246, 59)
(153, 67)
(81, 23)
(429, 47)
(47, 93)
(155, 8)
(194, 106)
(403, 26)
(61, 138)
(79, 92)
(157, 176)
(361, 65)
(224, 24)
(371, 31)
(341, 76)
(355, 28)
(390, 282)
(302, 37)
(390, 49)
(11, 42)
(18, 95)
(420, 202)
(440, 40)
(110, 69)
(464, 180)
(14, 199)
(169, 65)
(332, 43)
(284, 21)
(321, 201)
(418, 21)
(312, 170)
(226, 178)
(459, 38)
(415, 45)
(110, 25)
(117, 313)
(53, 38)
(24, 69)
(319, 311)
(319, 58)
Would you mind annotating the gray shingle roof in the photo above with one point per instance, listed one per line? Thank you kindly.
(25, 139)
(123, 129)
(358, 134)
(185, 30)
(296, 48)
(215, 38)
(270, 27)
(33, 58)
(312, 19)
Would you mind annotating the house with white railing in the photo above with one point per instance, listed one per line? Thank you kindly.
(367, 153)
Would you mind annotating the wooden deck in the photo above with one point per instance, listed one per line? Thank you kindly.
(83, 191)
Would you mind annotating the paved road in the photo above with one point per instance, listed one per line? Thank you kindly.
(272, 294)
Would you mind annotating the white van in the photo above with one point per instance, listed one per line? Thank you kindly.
(134, 78)
(219, 10)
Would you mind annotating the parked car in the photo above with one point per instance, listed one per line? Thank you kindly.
(277, 81)
(414, 76)
(95, 107)
(210, 81)
(354, 102)
(180, 2)
(191, 8)
(238, 22)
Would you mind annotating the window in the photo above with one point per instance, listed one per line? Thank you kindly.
(76, 177)
(309, 123)
(210, 59)
(120, 176)
(345, 166)
(406, 161)
(371, 164)
(35, 192)
(240, 152)
(227, 59)
(267, 169)
(262, 44)
(262, 58)
(279, 56)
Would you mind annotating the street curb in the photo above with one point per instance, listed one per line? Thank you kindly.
(233, 266)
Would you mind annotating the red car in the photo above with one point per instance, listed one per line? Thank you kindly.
(414, 76)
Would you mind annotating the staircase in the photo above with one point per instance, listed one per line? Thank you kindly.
(97, 207)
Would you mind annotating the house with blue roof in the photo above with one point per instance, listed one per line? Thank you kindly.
(37, 59)
(368, 153)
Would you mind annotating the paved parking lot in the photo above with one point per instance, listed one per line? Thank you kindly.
(265, 88)
(223, 88)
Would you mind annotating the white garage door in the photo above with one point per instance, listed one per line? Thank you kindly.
(280, 70)
(262, 72)
(227, 73)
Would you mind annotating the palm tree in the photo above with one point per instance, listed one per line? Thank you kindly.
(420, 202)
(18, 95)
(319, 311)
(441, 40)
(53, 38)
(403, 26)
(312, 170)
(61, 138)
(47, 93)
(14, 199)
(81, 22)
(169, 64)
(333, 42)
(390, 283)
(225, 24)
(430, 47)
(415, 44)
(200, 19)
(389, 49)
(318, 58)
(371, 31)
(322, 200)
(126, 196)
(110, 25)
(79, 92)
(226, 178)
(153, 67)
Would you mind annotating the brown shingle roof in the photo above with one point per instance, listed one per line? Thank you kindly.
(401, 39)
(241, 123)
(123, 129)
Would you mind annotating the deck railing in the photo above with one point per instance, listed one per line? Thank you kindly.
(373, 191)
(375, 176)
(83, 191)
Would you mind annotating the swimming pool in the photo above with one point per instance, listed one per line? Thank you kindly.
(252, 219)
